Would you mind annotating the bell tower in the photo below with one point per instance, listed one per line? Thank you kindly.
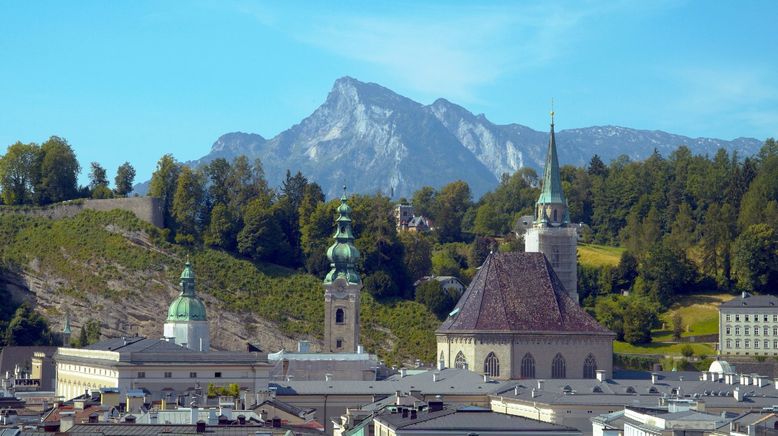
(551, 233)
(341, 288)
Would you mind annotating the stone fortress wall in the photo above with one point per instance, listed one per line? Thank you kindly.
(147, 209)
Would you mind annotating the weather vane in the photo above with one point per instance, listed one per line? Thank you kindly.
(552, 110)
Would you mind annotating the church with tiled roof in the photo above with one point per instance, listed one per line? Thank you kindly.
(518, 319)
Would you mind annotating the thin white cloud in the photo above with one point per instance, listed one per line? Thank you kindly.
(445, 50)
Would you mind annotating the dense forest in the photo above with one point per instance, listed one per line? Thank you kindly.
(688, 223)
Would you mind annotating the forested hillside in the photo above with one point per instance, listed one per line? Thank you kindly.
(683, 223)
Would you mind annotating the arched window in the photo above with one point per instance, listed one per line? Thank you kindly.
(555, 220)
(340, 316)
(558, 368)
(590, 367)
(460, 361)
(492, 365)
(442, 359)
(528, 366)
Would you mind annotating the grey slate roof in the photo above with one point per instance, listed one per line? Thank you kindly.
(145, 350)
(754, 301)
(138, 344)
(469, 419)
(519, 292)
(617, 392)
(450, 381)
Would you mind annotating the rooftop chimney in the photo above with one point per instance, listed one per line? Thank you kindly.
(540, 385)
(435, 376)
(486, 378)
(403, 372)
(600, 374)
(654, 378)
(327, 377)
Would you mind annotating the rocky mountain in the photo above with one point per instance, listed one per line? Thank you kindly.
(374, 140)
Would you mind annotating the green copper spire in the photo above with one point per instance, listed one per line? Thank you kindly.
(187, 307)
(67, 330)
(343, 255)
(552, 185)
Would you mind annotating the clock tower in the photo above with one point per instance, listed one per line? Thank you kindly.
(341, 288)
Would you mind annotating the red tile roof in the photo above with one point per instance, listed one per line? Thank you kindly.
(519, 292)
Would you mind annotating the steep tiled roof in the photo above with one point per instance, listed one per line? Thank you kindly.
(519, 292)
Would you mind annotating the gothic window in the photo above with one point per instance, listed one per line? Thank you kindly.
(558, 367)
(460, 361)
(555, 220)
(590, 366)
(340, 316)
(528, 366)
(492, 365)
(442, 359)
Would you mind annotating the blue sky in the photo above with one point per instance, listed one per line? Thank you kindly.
(130, 81)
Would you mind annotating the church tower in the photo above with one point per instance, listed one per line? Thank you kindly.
(186, 323)
(551, 233)
(341, 288)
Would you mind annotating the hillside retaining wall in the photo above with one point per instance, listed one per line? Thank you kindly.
(147, 209)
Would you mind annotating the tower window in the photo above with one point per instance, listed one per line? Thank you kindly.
(168, 374)
(340, 316)
(555, 220)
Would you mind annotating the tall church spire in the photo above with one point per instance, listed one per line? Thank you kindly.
(343, 255)
(552, 205)
(341, 287)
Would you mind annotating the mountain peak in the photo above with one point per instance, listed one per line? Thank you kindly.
(353, 91)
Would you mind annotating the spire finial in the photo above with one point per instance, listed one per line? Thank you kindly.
(552, 111)
(343, 197)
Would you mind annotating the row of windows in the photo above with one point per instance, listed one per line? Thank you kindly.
(558, 365)
(746, 330)
(88, 370)
(167, 374)
(747, 343)
(746, 317)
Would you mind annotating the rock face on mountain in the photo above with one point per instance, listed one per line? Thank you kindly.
(374, 140)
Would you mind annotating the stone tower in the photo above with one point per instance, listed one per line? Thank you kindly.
(550, 233)
(341, 288)
(186, 323)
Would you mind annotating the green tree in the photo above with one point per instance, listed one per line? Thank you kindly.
(451, 203)
(380, 285)
(756, 259)
(437, 299)
(59, 172)
(479, 250)
(97, 176)
(424, 202)
(222, 229)
(444, 264)
(261, 237)
(187, 206)
(20, 173)
(640, 317)
(163, 185)
(677, 326)
(82, 340)
(27, 328)
(418, 254)
(125, 176)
